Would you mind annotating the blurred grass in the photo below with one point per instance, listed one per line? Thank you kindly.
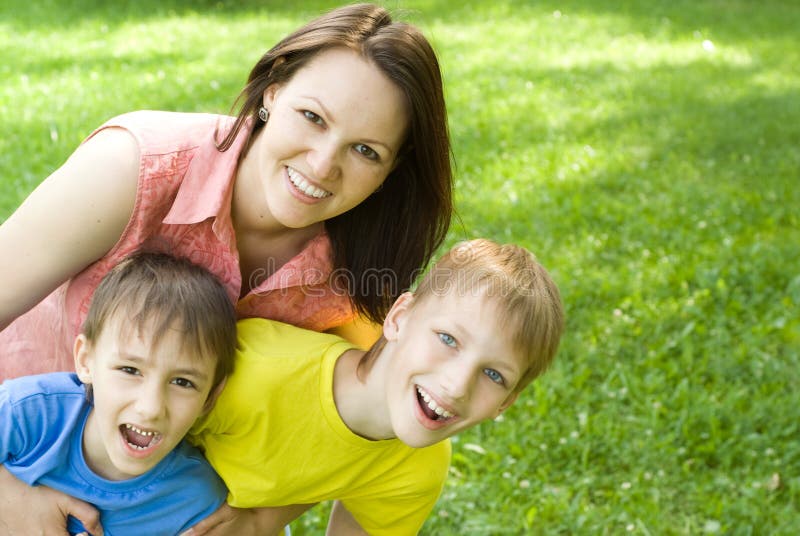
(648, 152)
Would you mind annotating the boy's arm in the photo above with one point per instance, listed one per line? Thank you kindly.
(230, 521)
(341, 523)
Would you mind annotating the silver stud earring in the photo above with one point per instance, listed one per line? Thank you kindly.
(263, 114)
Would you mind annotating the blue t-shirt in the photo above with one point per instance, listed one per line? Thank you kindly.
(41, 429)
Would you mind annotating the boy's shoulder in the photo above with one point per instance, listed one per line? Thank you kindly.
(409, 483)
(187, 465)
(433, 462)
(53, 384)
(38, 417)
(269, 338)
(412, 472)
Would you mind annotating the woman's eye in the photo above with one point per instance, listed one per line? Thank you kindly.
(129, 370)
(311, 116)
(183, 382)
(447, 339)
(366, 151)
(493, 375)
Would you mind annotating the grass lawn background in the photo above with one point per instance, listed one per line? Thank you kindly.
(648, 152)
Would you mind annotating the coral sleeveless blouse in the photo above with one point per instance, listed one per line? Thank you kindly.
(183, 205)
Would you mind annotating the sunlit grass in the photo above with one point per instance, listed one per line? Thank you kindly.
(648, 152)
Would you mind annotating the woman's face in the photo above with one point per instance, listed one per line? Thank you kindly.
(332, 137)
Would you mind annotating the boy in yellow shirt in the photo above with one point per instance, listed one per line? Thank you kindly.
(307, 417)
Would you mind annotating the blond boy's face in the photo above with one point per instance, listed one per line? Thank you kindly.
(145, 398)
(452, 365)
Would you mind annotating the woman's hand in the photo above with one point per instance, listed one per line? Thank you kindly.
(28, 509)
(230, 521)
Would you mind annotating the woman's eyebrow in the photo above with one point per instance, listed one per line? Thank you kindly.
(332, 118)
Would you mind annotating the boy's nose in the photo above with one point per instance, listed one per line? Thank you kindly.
(457, 380)
(150, 402)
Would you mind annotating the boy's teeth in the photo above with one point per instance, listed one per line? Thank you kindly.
(138, 431)
(304, 186)
(431, 403)
(140, 439)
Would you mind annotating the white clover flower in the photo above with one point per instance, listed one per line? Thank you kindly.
(474, 448)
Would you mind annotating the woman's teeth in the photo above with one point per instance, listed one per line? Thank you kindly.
(306, 187)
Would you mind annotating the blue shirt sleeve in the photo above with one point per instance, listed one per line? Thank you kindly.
(10, 436)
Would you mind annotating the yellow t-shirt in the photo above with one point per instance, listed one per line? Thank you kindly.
(276, 438)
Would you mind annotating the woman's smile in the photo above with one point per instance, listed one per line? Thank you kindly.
(303, 187)
(333, 132)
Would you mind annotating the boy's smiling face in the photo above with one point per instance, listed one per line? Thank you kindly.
(145, 397)
(451, 366)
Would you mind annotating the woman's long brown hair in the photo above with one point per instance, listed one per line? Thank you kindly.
(381, 245)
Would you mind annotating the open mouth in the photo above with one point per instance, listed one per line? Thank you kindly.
(430, 408)
(139, 439)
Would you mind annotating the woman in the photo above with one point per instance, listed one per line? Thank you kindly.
(314, 206)
(264, 202)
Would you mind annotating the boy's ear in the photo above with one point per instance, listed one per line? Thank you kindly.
(213, 395)
(396, 317)
(507, 403)
(80, 353)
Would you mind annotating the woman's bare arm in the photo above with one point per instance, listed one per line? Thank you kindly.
(70, 220)
(28, 509)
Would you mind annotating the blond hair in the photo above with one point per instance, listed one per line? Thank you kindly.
(528, 300)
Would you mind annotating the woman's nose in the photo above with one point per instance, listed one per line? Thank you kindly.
(323, 160)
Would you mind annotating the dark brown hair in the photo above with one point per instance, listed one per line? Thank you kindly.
(379, 245)
(158, 292)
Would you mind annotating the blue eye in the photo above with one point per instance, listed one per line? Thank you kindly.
(311, 116)
(366, 151)
(493, 375)
(447, 339)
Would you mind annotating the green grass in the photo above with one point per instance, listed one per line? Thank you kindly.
(649, 153)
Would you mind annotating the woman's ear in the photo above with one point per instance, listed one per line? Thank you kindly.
(397, 316)
(81, 355)
(269, 96)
